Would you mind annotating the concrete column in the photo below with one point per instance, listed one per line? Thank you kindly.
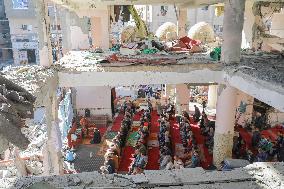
(168, 91)
(248, 25)
(183, 96)
(44, 35)
(182, 21)
(212, 96)
(52, 161)
(66, 32)
(226, 105)
(224, 126)
(100, 30)
(232, 33)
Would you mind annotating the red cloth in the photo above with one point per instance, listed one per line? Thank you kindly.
(153, 159)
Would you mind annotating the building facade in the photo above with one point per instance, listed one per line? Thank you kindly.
(24, 31)
(6, 54)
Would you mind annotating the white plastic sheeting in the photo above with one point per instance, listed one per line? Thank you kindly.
(65, 114)
(167, 32)
(202, 31)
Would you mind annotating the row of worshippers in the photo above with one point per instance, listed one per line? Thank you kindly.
(114, 150)
(191, 150)
(164, 138)
(207, 129)
(264, 149)
(140, 157)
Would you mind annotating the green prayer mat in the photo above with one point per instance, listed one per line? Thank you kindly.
(132, 138)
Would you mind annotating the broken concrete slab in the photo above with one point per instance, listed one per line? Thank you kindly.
(161, 177)
(257, 175)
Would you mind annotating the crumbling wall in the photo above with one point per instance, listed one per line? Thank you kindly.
(263, 12)
(75, 31)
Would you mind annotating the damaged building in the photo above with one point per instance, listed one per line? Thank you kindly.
(143, 94)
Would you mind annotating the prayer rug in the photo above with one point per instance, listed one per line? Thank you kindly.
(132, 138)
(126, 159)
(153, 159)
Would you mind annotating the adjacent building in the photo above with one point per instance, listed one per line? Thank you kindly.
(6, 54)
(24, 31)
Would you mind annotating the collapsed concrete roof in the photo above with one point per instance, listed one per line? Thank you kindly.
(253, 176)
(16, 105)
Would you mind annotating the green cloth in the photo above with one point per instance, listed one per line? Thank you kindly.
(115, 47)
(132, 138)
(149, 51)
(216, 53)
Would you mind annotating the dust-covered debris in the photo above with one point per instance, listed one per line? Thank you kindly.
(32, 78)
(260, 65)
(256, 175)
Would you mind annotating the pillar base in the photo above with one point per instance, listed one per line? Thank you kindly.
(223, 145)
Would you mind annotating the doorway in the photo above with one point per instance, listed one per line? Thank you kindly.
(31, 56)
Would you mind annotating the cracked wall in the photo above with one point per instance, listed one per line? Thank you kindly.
(263, 12)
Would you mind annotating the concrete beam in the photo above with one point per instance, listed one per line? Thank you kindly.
(137, 78)
(232, 32)
(266, 92)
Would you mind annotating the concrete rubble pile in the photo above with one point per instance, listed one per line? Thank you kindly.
(37, 134)
(80, 61)
(32, 155)
(19, 85)
(31, 78)
(16, 105)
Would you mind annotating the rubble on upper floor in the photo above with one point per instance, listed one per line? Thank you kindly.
(262, 66)
(81, 61)
(253, 176)
(16, 104)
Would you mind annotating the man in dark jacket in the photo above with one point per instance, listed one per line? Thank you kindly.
(97, 137)
(256, 137)
(197, 114)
